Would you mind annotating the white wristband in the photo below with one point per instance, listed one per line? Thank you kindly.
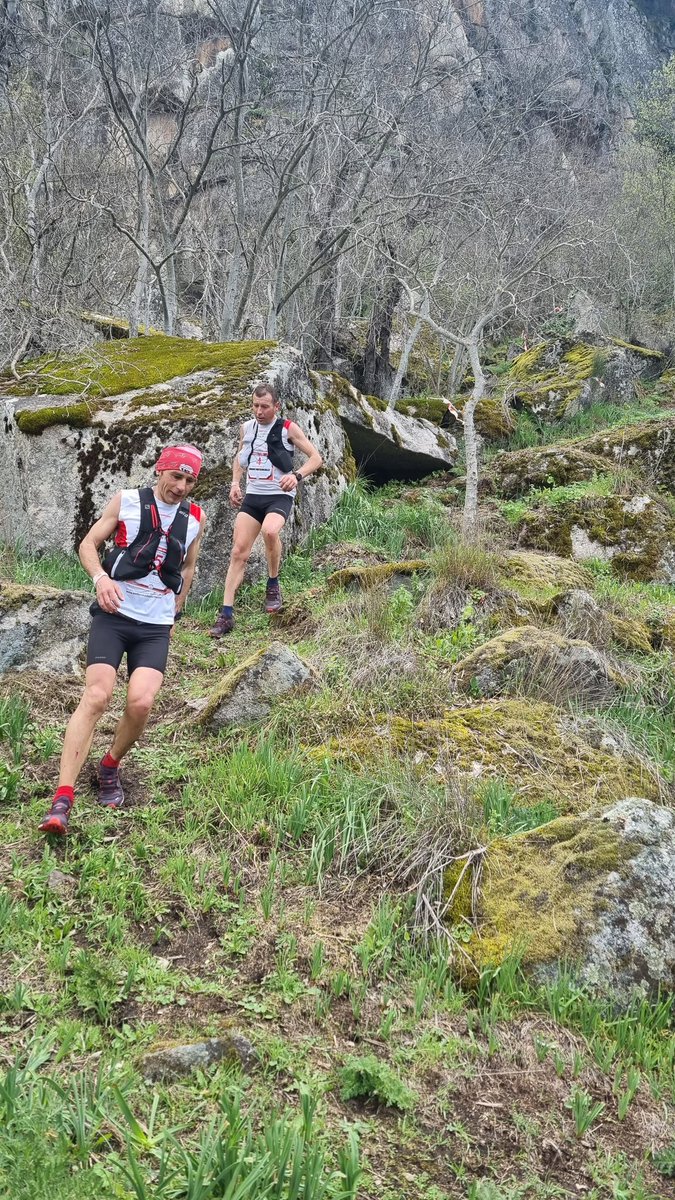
(97, 576)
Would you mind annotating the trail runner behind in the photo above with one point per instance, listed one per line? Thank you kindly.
(140, 593)
(265, 453)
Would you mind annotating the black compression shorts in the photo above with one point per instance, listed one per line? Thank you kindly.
(259, 506)
(111, 636)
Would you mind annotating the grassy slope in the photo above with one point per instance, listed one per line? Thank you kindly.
(252, 884)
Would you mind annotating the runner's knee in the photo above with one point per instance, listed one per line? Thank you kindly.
(240, 553)
(139, 706)
(270, 537)
(96, 698)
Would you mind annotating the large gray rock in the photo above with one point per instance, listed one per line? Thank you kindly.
(42, 629)
(386, 443)
(590, 893)
(636, 535)
(542, 662)
(632, 940)
(60, 471)
(246, 693)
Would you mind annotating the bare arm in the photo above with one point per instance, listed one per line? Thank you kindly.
(236, 495)
(188, 568)
(314, 460)
(108, 594)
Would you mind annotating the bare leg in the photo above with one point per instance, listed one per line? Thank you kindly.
(271, 528)
(246, 530)
(99, 684)
(143, 687)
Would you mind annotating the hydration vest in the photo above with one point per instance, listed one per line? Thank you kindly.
(277, 453)
(138, 559)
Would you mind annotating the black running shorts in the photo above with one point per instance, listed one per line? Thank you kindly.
(259, 506)
(111, 636)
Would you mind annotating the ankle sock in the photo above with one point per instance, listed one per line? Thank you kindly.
(67, 792)
(273, 582)
(227, 610)
(109, 761)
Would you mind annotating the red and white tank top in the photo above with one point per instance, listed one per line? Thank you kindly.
(147, 599)
(262, 477)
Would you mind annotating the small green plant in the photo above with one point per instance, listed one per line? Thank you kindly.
(664, 1161)
(14, 724)
(625, 1089)
(584, 1110)
(371, 1079)
(503, 816)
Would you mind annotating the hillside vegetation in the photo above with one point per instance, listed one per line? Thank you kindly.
(314, 882)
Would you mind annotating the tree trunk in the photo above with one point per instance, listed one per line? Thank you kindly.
(376, 365)
(471, 438)
(408, 348)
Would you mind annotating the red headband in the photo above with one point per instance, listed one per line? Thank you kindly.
(180, 458)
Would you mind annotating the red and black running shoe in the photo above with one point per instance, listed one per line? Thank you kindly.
(56, 820)
(110, 792)
(273, 600)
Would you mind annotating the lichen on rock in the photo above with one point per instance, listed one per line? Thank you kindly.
(246, 692)
(591, 893)
(636, 535)
(372, 575)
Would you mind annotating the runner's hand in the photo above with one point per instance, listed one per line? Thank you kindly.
(235, 495)
(108, 594)
(288, 483)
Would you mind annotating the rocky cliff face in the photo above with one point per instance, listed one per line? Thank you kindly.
(592, 56)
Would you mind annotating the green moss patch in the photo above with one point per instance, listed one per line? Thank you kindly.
(119, 366)
(519, 740)
(537, 380)
(539, 576)
(371, 576)
(633, 538)
(35, 420)
(514, 473)
(540, 890)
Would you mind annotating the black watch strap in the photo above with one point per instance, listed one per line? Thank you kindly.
(298, 476)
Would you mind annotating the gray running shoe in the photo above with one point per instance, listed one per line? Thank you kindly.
(110, 792)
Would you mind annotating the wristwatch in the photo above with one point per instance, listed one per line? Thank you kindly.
(298, 476)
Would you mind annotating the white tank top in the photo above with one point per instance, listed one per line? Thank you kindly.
(148, 599)
(262, 477)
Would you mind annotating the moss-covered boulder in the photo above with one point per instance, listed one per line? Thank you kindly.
(648, 446)
(636, 535)
(493, 417)
(79, 429)
(515, 473)
(591, 892)
(387, 574)
(246, 693)
(555, 381)
(541, 575)
(528, 743)
(540, 662)
(43, 629)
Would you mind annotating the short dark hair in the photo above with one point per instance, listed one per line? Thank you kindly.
(266, 389)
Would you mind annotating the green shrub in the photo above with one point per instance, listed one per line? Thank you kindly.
(372, 1079)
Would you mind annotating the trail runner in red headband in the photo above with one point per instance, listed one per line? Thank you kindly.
(140, 593)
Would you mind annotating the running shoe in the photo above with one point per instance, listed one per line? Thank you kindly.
(56, 820)
(273, 600)
(222, 626)
(110, 793)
